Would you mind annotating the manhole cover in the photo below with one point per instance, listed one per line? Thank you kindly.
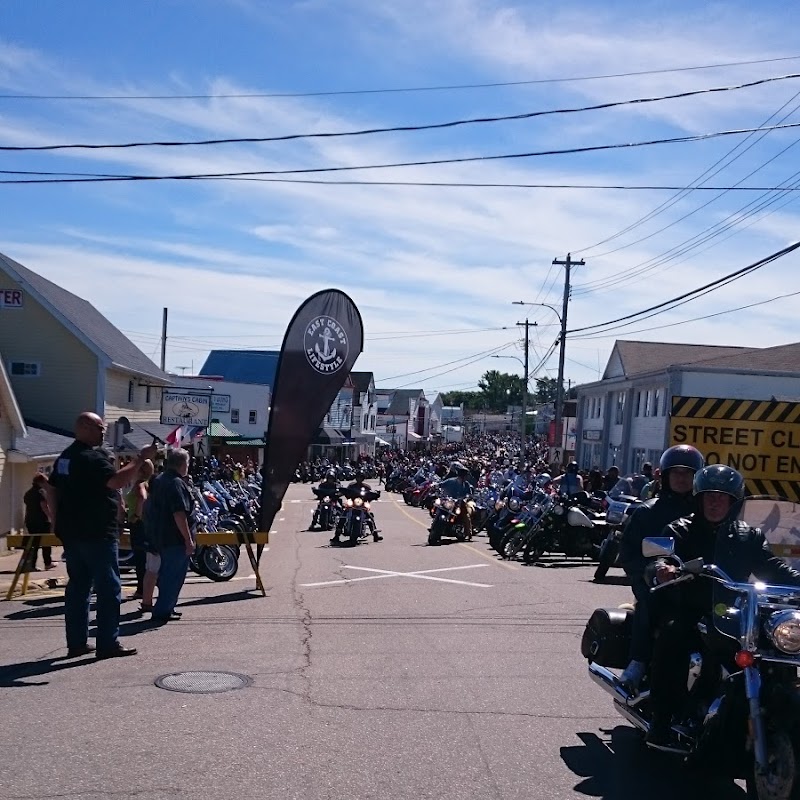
(202, 682)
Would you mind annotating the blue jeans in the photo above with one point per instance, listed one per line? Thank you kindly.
(174, 563)
(92, 563)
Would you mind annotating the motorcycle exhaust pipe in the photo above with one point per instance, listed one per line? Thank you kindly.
(624, 702)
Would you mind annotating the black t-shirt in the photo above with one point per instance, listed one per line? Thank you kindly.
(35, 519)
(168, 494)
(86, 508)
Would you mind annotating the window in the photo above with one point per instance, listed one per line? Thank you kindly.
(130, 391)
(648, 403)
(253, 417)
(637, 409)
(620, 415)
(599, 407)
(656, 402)
(235, 415)
(25, 368)
(147, 394)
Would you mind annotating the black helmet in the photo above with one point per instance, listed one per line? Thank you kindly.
(719, 478)
(572, 467)
(681, 455)
(360, 475)
(331, 474)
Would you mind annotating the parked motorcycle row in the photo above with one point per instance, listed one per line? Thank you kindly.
(219, 506)
(740, 725)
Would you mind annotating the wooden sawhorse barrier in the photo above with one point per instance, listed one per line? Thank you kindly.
(27, 542)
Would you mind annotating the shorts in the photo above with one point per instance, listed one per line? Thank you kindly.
(152, 562)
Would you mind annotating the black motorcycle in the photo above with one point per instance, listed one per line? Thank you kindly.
(357, 522)
(743, 718)
(326, 514)
(448, 518)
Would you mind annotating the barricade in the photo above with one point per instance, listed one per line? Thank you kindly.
(27, 542)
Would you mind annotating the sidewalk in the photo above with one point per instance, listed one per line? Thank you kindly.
(39, 581)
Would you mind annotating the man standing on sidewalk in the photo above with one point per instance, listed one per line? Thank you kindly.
(170, 524)
(83, 497)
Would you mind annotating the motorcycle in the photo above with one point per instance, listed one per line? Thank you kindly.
(747, 726)
(327, 511)
(448, 517)
(357, 514)
(567, 529)
(619, 511)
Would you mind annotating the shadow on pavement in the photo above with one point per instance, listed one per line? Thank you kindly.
(13, 675)
(611, 580)
(619, 766)
(242, 594)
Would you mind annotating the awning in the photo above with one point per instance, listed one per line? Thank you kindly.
(245, 442)
(332, 436)
(383, 442)
(216, 430)
(412, 435)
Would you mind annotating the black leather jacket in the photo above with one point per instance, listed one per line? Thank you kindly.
(649, 519)
(735, 547)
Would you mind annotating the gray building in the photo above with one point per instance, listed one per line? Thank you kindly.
(624, 419)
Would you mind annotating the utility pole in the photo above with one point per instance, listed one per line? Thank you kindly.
(523, 431)
(568, 263)
(164, 342)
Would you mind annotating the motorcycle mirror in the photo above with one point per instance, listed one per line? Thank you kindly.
(655, 546)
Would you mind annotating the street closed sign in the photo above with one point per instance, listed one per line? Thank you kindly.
(759, 438)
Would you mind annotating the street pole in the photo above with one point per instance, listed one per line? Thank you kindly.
(568, 263)
(526, 324)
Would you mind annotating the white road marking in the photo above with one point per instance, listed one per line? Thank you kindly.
(421, 574)
(281, 519)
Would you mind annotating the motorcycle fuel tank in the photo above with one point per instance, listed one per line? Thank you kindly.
(577, 519)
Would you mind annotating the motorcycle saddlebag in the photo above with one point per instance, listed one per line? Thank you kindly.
(607, 638)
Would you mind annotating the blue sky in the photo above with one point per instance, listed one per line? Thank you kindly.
(433, 269)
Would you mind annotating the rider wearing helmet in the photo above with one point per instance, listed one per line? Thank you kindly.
(459, 488)
(714, 534)
(358, 484)
(678, 466)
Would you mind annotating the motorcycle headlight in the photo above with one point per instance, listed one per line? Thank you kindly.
(498, 505)
(449, 505)
(348, 503)
(559, 510)
(437, 501)
(783, 629)
(359, 501)
(326, 499)
(514, 504)
(366, 505)
(458, 511)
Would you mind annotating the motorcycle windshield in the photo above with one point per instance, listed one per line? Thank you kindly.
(779, 521)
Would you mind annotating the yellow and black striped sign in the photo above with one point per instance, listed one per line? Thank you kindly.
(759, 438)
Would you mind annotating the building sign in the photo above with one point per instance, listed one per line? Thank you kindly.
(221, 403)
(592, 436)
(11, 298)
(759, 438)
(185, 408)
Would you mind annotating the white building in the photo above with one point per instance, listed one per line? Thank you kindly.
(624, 419)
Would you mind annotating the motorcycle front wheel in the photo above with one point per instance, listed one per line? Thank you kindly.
(219, 562)
(782, 780)
(534, 550)
(608, 555)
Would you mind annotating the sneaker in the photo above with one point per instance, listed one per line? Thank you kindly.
(632, 677)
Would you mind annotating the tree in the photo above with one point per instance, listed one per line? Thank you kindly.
(546, 390)
(469, 399)
(499, 390)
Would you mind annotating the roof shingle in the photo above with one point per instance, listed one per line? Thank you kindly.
(641, 357)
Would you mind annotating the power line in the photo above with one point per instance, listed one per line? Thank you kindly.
(701, 179)
(395, 128)
(725, 279)
(483, 354)
(454, 369)
(395, 90)
(449, 184)
(432, 162)
(605, 335)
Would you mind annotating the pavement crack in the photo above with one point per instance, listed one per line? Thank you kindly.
(304, 614)
(418, 709)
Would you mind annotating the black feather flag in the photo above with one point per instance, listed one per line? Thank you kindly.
(322, 342)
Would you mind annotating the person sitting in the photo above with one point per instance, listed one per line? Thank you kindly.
(714, 534)
(354, 488)
(459, 488)
(329, 487)
(570, 482)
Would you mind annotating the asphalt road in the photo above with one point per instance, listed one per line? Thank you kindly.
(391, 670)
